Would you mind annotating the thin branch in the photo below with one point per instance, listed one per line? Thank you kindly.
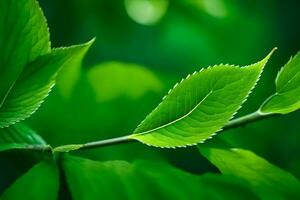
(108, 142)
(244, 120)
(239, 122)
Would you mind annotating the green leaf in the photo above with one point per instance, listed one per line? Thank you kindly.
(199, 106)
(89, 179)
(28, 66)
(40, 182)
(266, 179)
(20, 136)
(69, 76)
(286, 99)
(23, 37)
(35, 83)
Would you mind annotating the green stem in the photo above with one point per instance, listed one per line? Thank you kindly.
(241, 121)
(244, 120)
(112, 141)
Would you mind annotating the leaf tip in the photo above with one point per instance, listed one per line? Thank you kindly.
(270, 54)
(91, 41)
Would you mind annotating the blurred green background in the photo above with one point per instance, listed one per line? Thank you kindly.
(143, 48)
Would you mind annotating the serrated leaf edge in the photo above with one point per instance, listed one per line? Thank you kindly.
(52, 84)
(132, 136)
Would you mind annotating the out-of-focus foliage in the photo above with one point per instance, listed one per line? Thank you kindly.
(114, 79)
(40, 182)
(267, 180)
(146, 180)
(146, 12)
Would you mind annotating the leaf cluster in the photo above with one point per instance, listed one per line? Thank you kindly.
(193, 111)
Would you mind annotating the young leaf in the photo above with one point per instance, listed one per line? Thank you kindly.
(266, 179)
(23, 37)
(40, 182)
(199, 106)
(286, 99)
(89, 179)
(35, 83)
(20, 136)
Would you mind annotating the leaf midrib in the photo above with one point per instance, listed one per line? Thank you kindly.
(178, 119)
(8, 92)
(14, 83)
